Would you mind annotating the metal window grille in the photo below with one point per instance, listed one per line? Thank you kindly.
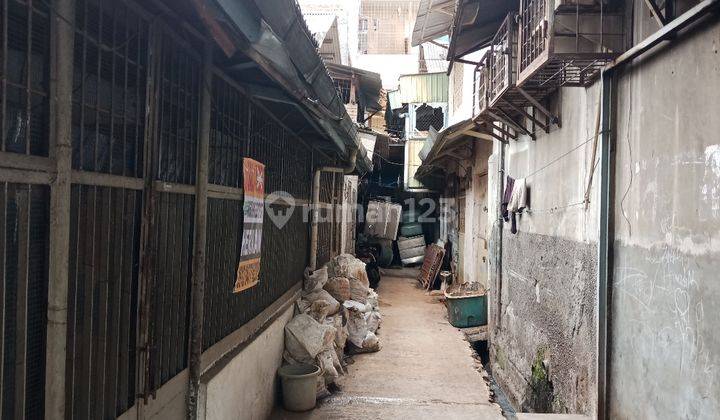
(567, 44)
(330, 226)
(481, 86)
(284, 256)
(427, 116)
(109, 316)
(534, 31)
(102, 306)
(25, 77)
(503, 53)
(178, 110)
(24, 224)
(343, 88)
(288, 167)
(228, 135)
(109, 88)
(169, 288)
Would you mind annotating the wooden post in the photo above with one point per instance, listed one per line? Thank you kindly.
(199, 257)
(63, 20)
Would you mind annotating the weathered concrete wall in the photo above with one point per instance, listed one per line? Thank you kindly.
(247, 387)
(665, 346)
(548, 317)
(543, 350)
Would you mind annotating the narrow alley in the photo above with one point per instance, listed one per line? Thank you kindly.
(425, 369)
(359, 209)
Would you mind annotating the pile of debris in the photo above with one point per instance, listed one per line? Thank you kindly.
(337, 314)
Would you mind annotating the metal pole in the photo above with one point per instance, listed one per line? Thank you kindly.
(55, 370)
(199, 256)
(499, 222)
(604, 240)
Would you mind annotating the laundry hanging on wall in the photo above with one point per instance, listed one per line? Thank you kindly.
(515, 200)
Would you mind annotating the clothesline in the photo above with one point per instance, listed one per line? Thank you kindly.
(560, 157)
(530, 211)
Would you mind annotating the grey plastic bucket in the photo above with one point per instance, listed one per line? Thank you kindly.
(299, 386)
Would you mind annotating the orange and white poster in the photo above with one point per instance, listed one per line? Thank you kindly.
(248, 270)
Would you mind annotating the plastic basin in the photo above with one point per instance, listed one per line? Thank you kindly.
(299, 386)
(466, 311)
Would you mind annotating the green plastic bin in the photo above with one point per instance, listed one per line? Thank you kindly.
(467, 311)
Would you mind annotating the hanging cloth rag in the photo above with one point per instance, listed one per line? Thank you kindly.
(510, 181)
(518, 201)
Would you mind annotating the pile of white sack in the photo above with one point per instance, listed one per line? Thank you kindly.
(337, 313)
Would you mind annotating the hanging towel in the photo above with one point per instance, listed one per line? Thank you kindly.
(518, 201)
(510, 181)
(518, 197)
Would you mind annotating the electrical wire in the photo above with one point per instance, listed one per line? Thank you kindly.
(560, 157)
(388, 161)
(630, 182)
(551, 210)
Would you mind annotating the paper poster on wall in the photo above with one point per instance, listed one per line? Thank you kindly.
(248, 270)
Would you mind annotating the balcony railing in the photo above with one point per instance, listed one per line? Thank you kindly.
(482, 80)
(503, 59)
(567, 42)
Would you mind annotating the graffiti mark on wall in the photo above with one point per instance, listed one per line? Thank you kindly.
(669, 315)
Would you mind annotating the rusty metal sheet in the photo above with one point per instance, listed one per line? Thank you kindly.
(431, 266)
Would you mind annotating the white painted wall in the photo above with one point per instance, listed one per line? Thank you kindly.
(476, 217)
(247, 387)
(460, 95)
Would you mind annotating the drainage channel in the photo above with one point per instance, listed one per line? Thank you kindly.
(482, 352)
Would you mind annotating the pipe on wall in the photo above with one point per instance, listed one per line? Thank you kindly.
(499, 221)
(316, 202)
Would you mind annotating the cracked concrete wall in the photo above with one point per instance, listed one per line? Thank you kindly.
(549, 268)
(665, 347)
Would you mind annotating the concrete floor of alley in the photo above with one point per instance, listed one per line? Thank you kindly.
(425, 369)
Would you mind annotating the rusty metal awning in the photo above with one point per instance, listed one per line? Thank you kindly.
(434, 19)
(370, 83)
(446, 144)
(475, 24)
(273, 35)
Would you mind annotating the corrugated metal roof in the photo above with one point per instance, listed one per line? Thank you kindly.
(434, 19)
(423, 88)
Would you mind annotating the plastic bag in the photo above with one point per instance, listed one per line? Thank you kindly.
(358, 291)
(371, 343)
(373, 319)
(323, 295)
(314, 280)
(326, 361)
(346, 265)
(319, 310)
(372, 300)
(339, 288)
(357, 326)
(305, 338)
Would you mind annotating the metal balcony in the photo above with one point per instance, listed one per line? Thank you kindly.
(480, 100)
(503, 59)
(567, 42)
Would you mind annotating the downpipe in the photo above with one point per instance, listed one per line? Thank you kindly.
(316, 202)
